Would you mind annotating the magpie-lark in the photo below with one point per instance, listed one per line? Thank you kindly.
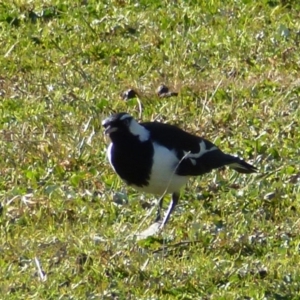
(156, 158)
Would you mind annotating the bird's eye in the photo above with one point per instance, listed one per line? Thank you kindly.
(126, 121)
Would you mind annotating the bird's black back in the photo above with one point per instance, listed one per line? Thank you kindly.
(172, 137)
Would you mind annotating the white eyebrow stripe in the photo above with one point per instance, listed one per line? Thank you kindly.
(125, 117)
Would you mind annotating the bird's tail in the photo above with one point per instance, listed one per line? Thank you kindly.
(240, 165)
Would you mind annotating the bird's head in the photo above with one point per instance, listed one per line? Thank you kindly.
(118, 122)
(122, 124)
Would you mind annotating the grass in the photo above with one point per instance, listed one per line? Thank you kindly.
(236, 67)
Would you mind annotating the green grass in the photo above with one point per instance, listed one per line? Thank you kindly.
(236, 67)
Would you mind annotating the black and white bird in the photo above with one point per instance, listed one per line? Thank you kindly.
(159, 158)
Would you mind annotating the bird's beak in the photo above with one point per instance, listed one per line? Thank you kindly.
(110, 129)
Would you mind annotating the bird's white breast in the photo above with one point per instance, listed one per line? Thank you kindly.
(163, 177)
(108, 153)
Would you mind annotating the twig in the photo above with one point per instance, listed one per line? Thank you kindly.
(176, 245)
(41, 274)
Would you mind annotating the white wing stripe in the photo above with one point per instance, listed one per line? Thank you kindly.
(202, 151)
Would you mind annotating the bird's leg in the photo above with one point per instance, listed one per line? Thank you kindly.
(158, 213)
(174, 201)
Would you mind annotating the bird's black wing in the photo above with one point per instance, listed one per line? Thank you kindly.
(198, 155)
(172, 137)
